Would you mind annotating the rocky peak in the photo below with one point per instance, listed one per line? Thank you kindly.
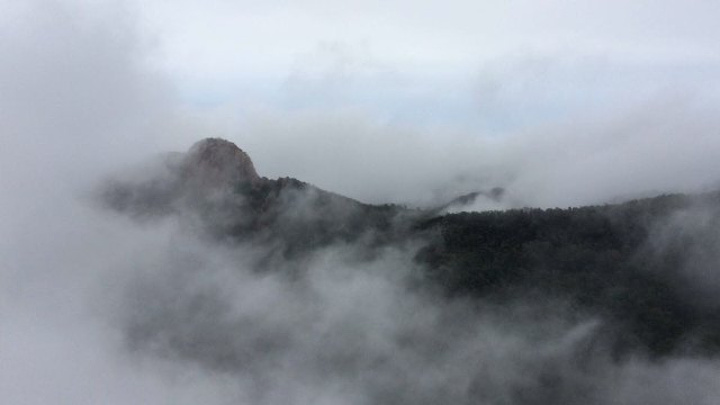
(218, 162)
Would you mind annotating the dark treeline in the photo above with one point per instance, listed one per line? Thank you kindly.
(602, 259)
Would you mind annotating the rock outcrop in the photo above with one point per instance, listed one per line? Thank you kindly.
(215, 162)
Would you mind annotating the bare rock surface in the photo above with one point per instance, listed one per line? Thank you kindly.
(215, 162)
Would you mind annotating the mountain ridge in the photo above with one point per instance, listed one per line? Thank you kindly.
(624, 263)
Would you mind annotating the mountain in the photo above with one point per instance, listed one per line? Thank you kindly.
(638, 266)
(215, 183)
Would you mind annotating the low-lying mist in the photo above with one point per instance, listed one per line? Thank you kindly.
(335, 329)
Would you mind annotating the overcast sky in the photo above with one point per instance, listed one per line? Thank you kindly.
(548, 75)
(493, 64)
(383, 101)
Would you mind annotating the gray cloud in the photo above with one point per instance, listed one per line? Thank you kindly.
(663, 146)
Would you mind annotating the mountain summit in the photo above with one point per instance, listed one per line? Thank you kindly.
(219, 163)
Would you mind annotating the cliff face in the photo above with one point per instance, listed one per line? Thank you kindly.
(215, 162)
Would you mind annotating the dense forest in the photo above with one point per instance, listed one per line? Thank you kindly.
(603, 259)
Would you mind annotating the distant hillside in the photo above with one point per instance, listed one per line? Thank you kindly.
(605, 259)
